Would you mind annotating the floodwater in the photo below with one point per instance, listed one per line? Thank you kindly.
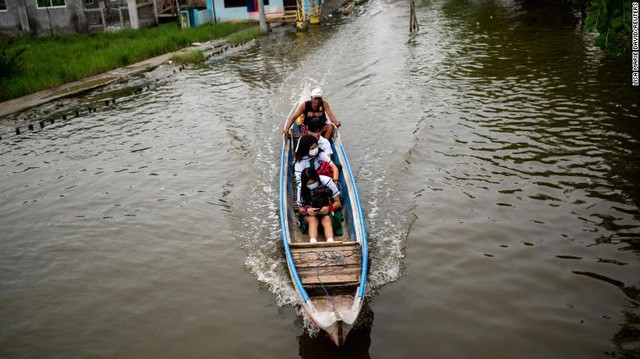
(498, 159)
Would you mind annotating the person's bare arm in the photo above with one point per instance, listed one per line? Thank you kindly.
(336, 172)
(287, 126)
(332, 117)
(336, 203)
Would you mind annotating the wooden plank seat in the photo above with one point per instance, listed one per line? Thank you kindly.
(330, 264)
(330, 275)
(345, 279)
(333, 258)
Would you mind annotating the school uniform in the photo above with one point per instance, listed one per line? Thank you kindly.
(324, 181)
(306, 162)
(325, 146)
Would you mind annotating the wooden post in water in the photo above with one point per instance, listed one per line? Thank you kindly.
(301, 21)
(413, 20)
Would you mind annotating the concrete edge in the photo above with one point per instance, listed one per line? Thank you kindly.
(96, 81)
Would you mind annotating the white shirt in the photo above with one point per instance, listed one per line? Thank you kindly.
(324, 181)
(325, 146)
(306, 162)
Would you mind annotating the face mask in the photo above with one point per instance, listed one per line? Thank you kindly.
(312, 186)
(313, 152)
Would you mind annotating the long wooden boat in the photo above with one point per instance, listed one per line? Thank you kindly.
(329, 278)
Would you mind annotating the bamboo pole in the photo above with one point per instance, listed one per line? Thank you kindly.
(413, 19)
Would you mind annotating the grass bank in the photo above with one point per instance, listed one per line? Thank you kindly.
(54, 61)
(188, 57)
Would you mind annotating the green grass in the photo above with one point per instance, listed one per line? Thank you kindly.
(188, 57)
(244, 35)
(53, 61)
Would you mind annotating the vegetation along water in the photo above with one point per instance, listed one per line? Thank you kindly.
(46, 62)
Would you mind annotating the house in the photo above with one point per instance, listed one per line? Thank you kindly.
(41, 17)
(230, 10)
(55, 17)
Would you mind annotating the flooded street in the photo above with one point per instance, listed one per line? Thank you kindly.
(496, 152)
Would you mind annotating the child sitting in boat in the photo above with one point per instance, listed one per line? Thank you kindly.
(308, 154)
(315, 127)
(318, 197)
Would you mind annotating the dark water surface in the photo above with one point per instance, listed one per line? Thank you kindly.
(497, 154)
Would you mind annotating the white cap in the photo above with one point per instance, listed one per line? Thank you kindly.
(316, 93)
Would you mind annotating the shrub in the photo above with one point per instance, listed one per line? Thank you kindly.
(245, 35)
(188, 57)
(10, 57)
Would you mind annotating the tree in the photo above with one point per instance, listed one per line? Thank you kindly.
(612, 20)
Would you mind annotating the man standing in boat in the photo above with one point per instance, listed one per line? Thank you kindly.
(317, 107)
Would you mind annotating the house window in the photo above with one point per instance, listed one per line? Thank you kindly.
(89, 2)
(235, 3)
(243, 3)
(51, 3)
(3, 5)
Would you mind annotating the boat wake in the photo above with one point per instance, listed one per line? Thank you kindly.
(388, 217)
(258, 226)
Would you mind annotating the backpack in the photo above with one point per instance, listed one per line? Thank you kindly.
(325, 169)
(321, 197)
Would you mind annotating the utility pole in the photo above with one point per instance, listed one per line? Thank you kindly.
(263, 18)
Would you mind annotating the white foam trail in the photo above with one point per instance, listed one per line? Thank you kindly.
(260, 231)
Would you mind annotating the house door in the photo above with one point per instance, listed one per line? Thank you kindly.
(289, 4)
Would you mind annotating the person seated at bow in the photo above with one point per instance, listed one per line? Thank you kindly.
(317, 107)
(317, 200)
